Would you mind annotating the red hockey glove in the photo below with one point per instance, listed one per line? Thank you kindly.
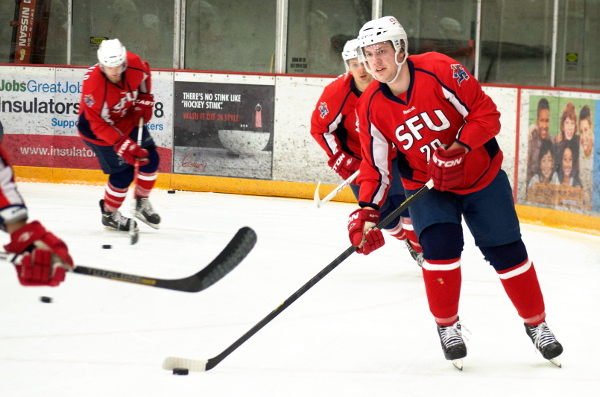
(344, 164)
(361, 230)
(46, 256)
(131, 151)
(143, 107)
(446, 168)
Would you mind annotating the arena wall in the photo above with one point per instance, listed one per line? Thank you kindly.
(272, 152)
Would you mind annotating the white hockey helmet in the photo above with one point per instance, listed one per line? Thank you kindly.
(112, 53)
(380, 30)
(383, 29)
(349, 51)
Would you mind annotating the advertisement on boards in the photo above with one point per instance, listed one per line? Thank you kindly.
(223, 129)
(561, 157)
(39, 111)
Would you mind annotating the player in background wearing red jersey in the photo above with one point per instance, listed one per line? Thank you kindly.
(333, 125)
(116, 94)
(45, 257)
(436, 116)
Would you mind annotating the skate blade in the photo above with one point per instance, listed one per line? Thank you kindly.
(143, 219)
(556, 361)
(458, 363)
(120, 230)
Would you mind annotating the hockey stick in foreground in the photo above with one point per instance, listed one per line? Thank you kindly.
(335, 191)
(231, 256)
(204, 365)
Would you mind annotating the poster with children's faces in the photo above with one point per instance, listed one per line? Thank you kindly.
(594, 147)
(561, 153)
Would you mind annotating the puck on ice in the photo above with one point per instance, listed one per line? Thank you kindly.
(107, 246)
(180, 371)
(46, 299)
(171, 192)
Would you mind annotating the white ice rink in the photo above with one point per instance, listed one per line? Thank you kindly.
(364, 330)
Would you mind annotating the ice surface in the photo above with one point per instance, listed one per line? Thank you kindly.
(364, 330)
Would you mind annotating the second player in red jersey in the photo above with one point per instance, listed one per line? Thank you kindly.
(116, 97)
(334, 127)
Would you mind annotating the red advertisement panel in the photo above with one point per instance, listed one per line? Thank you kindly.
(61, 152)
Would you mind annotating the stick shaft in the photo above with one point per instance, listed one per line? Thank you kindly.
(211, 363)
(134, 236)
(335, 191)
(232, 255)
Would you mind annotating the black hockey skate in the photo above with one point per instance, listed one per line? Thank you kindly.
(116, 221)
(145, 213)
(545, 342)
(417, 256)
(453, 344)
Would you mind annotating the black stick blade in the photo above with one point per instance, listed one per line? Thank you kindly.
(232, 255)
(134, 238)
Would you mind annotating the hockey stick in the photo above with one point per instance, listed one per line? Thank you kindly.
(204, 365)
(335, 191)
(133, 233)
(232, 255)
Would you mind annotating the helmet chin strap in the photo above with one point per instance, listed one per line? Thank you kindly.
(400, 64)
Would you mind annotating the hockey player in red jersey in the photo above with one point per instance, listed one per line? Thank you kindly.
(435, 115)
(333, 125)
(45, 257)
(116, 94)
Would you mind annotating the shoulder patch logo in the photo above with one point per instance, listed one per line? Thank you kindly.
(323, 109)
(459, 73)
(89, 100)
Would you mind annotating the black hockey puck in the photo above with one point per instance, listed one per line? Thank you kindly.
(180, 371)
(171, 192)
(106, 246)
(46, 299)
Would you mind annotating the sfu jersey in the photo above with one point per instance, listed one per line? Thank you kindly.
(105, 113)
(443, 104)
(333, 122)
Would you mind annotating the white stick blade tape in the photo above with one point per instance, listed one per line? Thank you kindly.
(316, 197)
(176, 362)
